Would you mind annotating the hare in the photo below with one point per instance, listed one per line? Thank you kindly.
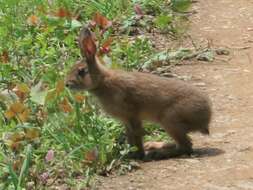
(134, 96)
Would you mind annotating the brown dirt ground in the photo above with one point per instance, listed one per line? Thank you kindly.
(226, 162)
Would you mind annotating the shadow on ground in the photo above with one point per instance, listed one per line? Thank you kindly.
(207, 152)
(162, 154)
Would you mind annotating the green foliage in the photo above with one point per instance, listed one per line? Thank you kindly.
(163, 21)
(181, 5)
(110, 8)
(38, 115)
(155, 7)
(131, 54)
(25, 166)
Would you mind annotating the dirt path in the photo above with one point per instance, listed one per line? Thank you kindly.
(226, 163)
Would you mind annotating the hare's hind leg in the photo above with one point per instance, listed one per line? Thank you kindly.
(177, 130)
(162, 150)
(183, 141)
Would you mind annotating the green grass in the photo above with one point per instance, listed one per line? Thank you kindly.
(37, 47)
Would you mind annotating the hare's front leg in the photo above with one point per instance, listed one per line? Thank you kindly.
(135, 133)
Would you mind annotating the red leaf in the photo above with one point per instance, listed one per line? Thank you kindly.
(138, 10)
(107, 43)
(62, 12)
(101, 21)
(105, 48)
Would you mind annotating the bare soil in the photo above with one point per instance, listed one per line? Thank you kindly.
(225, 160)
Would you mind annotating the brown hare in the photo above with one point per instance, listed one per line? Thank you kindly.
(134, 96)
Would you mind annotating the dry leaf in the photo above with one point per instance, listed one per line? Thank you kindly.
(65, 106)
(9, 114)
(32, 133)
(63, 12)
(91, 155)
(16, 136)
(51, 95)
(23, 88)
(17, 107)
(24, 115)
(79, 98)
(101, 21)
(15, 146)
(17, 164)
(5, 56)
(20, 95)
(60, 86)
(33, 20)
(22, 91)
(14, 109)
(14, 140)
(18, 110)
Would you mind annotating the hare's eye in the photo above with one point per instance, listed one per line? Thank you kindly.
(82, 72)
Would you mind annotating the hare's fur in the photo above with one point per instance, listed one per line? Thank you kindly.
(133, 97)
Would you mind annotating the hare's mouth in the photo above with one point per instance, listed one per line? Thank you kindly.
(74, 87)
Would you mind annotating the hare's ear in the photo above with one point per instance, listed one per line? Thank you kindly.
(87, 43)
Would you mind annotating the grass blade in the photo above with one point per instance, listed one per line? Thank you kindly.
(25, 166)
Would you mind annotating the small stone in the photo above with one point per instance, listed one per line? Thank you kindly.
(222, 51)
(200, 84)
